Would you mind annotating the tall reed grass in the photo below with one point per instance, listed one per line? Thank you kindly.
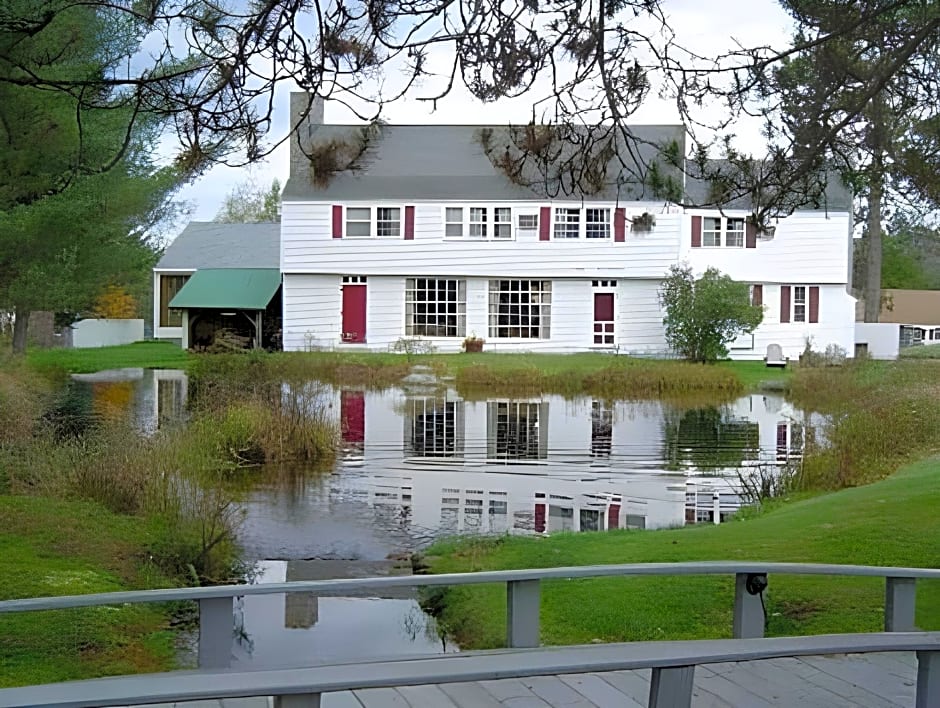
(880, 415)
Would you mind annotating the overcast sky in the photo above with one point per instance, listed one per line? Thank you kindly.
(707, 27)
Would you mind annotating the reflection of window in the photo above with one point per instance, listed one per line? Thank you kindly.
(435, 308)
(517, 431)
(435, 428)
(520, 308)
(789, 441)
(602, 424)
(169, 286)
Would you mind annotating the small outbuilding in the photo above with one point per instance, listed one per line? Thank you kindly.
(219, 285)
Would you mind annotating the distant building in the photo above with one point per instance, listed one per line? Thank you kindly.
(916, 311)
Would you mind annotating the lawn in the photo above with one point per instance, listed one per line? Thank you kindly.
(55, 547)
(561, 373)
(893, 522)
(155, 355)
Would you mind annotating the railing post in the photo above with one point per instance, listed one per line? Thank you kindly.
(522, 614)
(928, 679)
(216, 629)
(301, 700)
(748, 605)
(672, 687)
(900, 603)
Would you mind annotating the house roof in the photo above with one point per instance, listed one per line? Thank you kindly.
(212, 245)
(448, 162)
(236, 288)
(910, 307)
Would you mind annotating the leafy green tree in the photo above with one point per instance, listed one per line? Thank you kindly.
(67, 229)
(251, 203)
(704, 314)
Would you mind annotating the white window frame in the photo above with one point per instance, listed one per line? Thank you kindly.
(802, 302)
(531, 223)
(412, 326)
(719, 237)
(561, 228)
(538, 296)
(373, 220)
(494, 224)
(601, 228)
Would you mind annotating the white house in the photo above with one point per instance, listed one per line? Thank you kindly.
(423, 236)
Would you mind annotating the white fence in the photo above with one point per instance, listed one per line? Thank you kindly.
(88, 334)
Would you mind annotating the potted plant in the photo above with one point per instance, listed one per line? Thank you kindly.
(473, 343)
(644, 222)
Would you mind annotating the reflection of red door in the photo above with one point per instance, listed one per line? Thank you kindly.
(354, 313)
(604, 319)
(352, 416)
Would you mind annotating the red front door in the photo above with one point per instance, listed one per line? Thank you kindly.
(354, 313)
(604, 319)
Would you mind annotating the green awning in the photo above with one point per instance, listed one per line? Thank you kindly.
(229, 288)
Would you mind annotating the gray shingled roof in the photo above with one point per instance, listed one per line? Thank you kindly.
(447, 162)
(837, 197)
(205, 244)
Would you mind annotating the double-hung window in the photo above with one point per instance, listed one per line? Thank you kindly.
(388, 222)
(358, 222)
(721, 231)
(799, 303)
(567, 222)
(502, 223)
(711, 231)
(597, 223)
(453, 222)
(366, 222)
(478, 222)
(734, 233)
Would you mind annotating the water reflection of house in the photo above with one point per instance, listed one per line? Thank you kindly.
(301, 609)
(548, 464)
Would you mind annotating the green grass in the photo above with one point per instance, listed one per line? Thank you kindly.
(155, 355)
(893, 522)
(562, 373)
(928, 351)
(54, 547)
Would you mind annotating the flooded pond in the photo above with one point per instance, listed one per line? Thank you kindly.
(421, 463)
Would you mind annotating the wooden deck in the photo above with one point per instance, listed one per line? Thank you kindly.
(854, 681)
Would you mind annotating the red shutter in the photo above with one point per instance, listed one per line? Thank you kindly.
(545, 223)
(620, 224)
(696, 232)
(409, 223)
(784, 303)
(750, 234)
(337, 221)
(757, 295)
(814, 304)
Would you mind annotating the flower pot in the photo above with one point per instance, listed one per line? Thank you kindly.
(472, 346)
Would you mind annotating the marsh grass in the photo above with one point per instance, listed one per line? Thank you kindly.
(880, 415)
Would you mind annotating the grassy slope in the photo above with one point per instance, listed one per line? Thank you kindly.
(893, 522)
(54, 547)
(158, 355)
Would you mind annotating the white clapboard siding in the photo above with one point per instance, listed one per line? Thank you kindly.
(807, 247)
(312, 306)
(639, 317)
(307, 246)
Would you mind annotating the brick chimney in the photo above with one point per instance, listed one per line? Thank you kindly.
(303, 127)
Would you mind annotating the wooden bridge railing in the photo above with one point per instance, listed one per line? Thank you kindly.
(522, 607)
